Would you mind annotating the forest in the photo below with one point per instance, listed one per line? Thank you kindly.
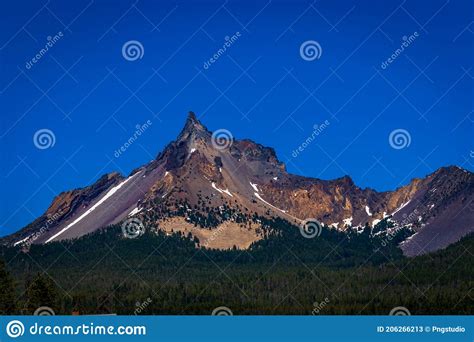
(335, 273)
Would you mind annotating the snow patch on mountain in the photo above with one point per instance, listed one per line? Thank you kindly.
(408, 239)
(271, 205)
(135, 211)
(375, 222)
(226, 191)
(22, 240)
(401, 207)
(109, 194)
(348, 221)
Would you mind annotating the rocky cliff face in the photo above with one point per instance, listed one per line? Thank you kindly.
(204, 181)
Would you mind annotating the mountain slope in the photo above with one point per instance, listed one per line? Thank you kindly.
(215, 187)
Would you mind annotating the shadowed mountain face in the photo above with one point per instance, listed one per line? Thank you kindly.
(214, 187)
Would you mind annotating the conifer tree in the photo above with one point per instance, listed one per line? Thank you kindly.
(7, 291)
(41, 292)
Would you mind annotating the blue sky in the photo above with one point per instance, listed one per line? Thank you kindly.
(91, 97)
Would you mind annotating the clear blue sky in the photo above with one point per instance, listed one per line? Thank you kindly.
(258, 89)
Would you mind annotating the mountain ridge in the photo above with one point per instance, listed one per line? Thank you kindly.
(203, 172)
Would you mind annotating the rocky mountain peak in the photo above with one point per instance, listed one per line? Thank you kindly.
(193, 128)
(345, 181)
(451, 170)
(194, 133)
(193, 186)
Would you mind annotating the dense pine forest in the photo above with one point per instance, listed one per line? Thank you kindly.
(284, 273)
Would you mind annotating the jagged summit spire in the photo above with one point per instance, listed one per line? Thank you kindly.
(193, 120)
(192, 117)
(192, 127)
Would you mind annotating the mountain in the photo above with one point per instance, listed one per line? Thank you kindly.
(216, 188)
